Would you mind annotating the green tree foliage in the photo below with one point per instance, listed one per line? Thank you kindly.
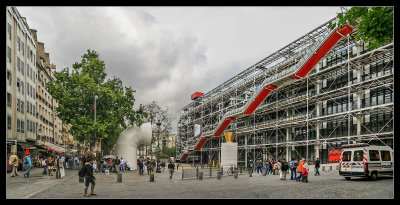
(75, 92)
(374, 24)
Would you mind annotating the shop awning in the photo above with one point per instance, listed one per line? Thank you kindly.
(53, 147)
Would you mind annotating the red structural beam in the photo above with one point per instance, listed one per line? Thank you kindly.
(263, 94)
(201, 143)
(321, 52)
(223, 126)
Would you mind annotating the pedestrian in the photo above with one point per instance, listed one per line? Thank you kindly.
(50, 165)
(279, 168)
(94, 166)
(284, 169)
(144, 167)
(171, 168)
(27, 163)
(117, 164)
(13, 160)
(259, 167)
(250, 166)
(44, 165)
(63, 160)
(89, 177)
(58, 165)
(122, 164)
(293, 167)
(275, 169)
(140, 163)
(300, 170)
(317, 166)
(177, 165)
(163, 166)
(305, 171)
(70, 163)
(267, 169)
(76, 161)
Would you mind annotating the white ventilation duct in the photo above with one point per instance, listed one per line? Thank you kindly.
(129, 140)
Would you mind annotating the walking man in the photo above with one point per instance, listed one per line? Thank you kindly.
(27, 165)
(317, 166)
(13, 160)
(284, 169)
(293, 167)
(140, 163)
(59, 165)
(267, 168)
(76, 160)
(171, 168)
(89, 177)
(117, 164)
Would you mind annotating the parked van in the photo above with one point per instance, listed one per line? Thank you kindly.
(363, 160)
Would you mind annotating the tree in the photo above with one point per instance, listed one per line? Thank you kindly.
(374, 24)
(75, 92)
(157, 114)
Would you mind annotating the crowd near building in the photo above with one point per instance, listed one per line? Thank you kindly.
(347, 97)
(31, 119)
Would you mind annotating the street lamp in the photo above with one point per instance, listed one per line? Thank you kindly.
(158, 146)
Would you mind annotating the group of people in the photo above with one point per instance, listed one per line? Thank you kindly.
(299, 170)
(148, 165)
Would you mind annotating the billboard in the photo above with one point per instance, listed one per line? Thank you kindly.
(197, 128)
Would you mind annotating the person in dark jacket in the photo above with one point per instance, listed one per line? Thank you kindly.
(89, 178)
(317, 166)
(171, 168)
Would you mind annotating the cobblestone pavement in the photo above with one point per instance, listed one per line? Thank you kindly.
(329, 185)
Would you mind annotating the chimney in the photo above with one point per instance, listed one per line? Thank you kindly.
(34, 34)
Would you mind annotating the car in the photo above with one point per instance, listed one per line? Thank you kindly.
(367, 161)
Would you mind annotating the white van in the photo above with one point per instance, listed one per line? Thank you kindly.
(363, 160)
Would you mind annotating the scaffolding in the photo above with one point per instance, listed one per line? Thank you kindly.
(346, 97)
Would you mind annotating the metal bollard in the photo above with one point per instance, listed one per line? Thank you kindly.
(264, 173)
(241, 168)
(119, 177)
(81, 179)
(201, 175)
(151, 177)
(219, 175)
(250, 173)
(330, 168)
(323, 168)
(235, 175)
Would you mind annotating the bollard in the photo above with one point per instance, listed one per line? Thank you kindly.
(330, 168)
(323, 168)
(250, 174)
(119, 177)
(219, 175)
(337, 167)
(235, 175)
(241, 168)
(151, 177)
(201, 175)
(81, 179)
(264, 173)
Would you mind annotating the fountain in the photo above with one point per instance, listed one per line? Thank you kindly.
(128, 141)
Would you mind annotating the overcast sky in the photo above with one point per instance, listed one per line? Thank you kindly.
(168, 53)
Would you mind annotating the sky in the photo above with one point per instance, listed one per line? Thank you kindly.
(168, 53)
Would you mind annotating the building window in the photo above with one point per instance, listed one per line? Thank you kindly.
(22, 126)
(9, 77)
(23, 48)
(9, 31)
(22, 87)
(18, 85)
(9, 122)
(22, 68)
(18, 104)
(18, 64)
(18, 43)
(27, 125)
(9, 53)
(8, 99)
(22, 107)
(18, 125)
(27, 70)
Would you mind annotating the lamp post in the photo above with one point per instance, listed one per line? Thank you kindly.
(158, 147)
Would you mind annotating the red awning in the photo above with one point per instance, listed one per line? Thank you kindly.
(54, 147)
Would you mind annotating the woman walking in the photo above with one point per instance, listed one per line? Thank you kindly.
(50, 165)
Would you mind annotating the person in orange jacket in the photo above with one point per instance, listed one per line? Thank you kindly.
(300, 170)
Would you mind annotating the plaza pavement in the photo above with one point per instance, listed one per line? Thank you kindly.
(329, 185)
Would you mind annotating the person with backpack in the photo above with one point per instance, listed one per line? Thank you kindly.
(140, 163)
(87, 172)
(27, 164)
(293, 167)
(13, 160)
(284, 169)
(250, 166)
(76, 161)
